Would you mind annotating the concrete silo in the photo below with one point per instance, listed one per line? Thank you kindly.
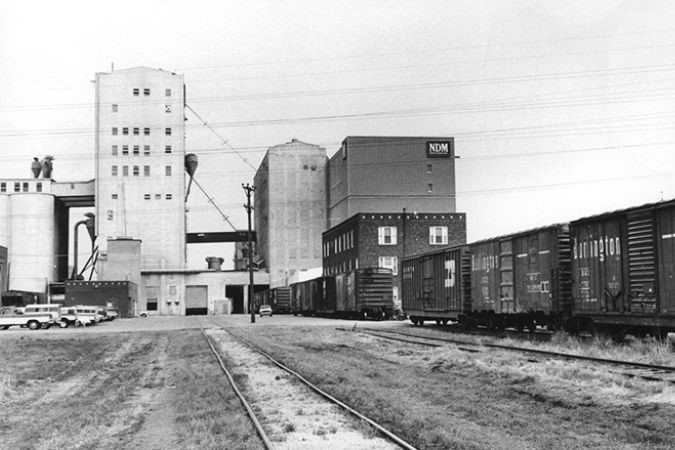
(31, 247)
(4, 220)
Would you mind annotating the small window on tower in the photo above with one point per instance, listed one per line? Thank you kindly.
(136, 171)
(167, 131)
(146, 91)
(146, 131)
(137, 91)
(167, 149)
(113, 171)
(115, 108)
(114, 196)
(38, 187)
(167, 92)
(3, 187)
(136, 148)
(125, 131)
(168, 196)
(125, 149)
(146, 149)
(167, 108)
(114, 150)
(146, 196)
(146, 171)
(114, 131)
(167, 171)
(110, 214)
(136, 131)
(125, 171)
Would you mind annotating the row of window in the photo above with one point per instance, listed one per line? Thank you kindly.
(136, 150)
(116, 108)
(21, 187)
(146, 92)
(438, 235)
(136, 131)
(136, 171)
(385, 262)
(340, 243)
(147, 196)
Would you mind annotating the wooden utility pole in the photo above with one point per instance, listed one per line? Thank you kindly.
(249, 190)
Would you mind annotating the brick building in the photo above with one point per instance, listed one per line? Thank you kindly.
(382, 239)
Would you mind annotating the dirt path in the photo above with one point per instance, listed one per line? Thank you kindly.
(293, 416)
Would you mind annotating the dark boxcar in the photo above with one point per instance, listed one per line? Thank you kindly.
(372, 289)
(435, 285)
(280, 299)
(120, 296)
(522, 280)
(301, 298)
(261, 298)
(622, 270)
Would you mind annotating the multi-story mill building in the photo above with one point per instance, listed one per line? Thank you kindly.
(290, 209)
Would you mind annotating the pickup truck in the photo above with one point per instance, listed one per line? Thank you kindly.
(11, 315)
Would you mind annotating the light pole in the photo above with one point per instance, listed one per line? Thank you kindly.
(249, 190)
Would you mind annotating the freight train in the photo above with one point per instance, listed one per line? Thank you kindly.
(613, 272)
(360, 293)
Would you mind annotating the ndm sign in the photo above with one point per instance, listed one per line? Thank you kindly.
(439, 149)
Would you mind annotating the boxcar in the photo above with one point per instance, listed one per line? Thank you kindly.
(280, 299)
(365, 293)
(521, 280)
(302, 301)
(623, 270)
(435, 285)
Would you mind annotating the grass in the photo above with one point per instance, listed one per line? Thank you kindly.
(446, 398)
(117, 390)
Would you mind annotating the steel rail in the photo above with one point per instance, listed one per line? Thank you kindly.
(261, 432)
(528, 350)
(391, 436)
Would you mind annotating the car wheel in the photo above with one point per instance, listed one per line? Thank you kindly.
(63, 324)
(33, 324)
(144, 315)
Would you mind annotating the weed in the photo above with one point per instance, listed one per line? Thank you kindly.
(289, 427)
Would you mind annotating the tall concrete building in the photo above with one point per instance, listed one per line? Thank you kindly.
(377, 174)
(140, 154)
(290, 209)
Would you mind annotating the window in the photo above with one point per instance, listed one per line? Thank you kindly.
(114, 196)
(167, 149)
(3, 187)
(114, 131)
(38, 187)
(146, 149)
(115, 108)
(25, 187)
(137, 91)
(136, 131)
(386, 235)
(136, 171)
(125, 131)
(167, 171)
(167, 92)
(113, 171)
(388, 262)
(17, 187)
(430, 188)
(114, 150)
(167, 131)
(168, 196)
(167, 108)
(125, 171)
(146, 196)
(438, 235)
(146, 131)
(125, 149)
(152, 297)
(146, 91)
(110, 214)
(429, 168)
(158, 196)
(136, 150)
(146, 171)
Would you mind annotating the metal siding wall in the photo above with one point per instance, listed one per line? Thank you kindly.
(485, 281)
(666, 259)
(598, 278)
(533, 265)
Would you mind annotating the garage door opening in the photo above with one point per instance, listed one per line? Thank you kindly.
(196, 300)
(236, 293)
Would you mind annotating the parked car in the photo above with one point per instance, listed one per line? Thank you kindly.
(13, 316)
(51, 309)
(265, 310)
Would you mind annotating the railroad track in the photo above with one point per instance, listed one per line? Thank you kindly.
(649, 372)
(386, 434)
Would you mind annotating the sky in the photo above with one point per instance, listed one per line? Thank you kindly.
(559, 110)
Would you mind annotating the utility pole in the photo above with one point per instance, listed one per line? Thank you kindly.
(249, 190)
